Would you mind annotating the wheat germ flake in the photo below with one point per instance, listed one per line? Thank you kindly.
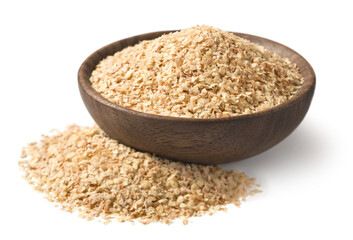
(198, 72)
(83, 169)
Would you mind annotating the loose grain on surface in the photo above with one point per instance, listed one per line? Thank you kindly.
(199, 72)
(83, 169)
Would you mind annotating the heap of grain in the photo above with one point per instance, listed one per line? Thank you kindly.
(199, 72)
(83, 169)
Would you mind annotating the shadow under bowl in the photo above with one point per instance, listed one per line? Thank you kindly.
(203, 141)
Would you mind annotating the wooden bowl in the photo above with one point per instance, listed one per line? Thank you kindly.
(205, 141)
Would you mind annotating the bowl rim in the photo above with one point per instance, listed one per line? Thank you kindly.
(85, 84)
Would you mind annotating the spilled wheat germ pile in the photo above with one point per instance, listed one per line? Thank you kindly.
(83, 169)
(199, 72)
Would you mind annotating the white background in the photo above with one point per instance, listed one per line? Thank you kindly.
(307, 179)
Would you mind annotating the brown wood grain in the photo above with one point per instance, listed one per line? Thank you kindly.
(205, 141)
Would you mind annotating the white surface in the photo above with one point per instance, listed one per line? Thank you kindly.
(306, 179)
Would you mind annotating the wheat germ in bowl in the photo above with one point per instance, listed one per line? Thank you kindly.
(198, 72)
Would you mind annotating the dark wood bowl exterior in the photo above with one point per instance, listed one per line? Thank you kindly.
(204, 141)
